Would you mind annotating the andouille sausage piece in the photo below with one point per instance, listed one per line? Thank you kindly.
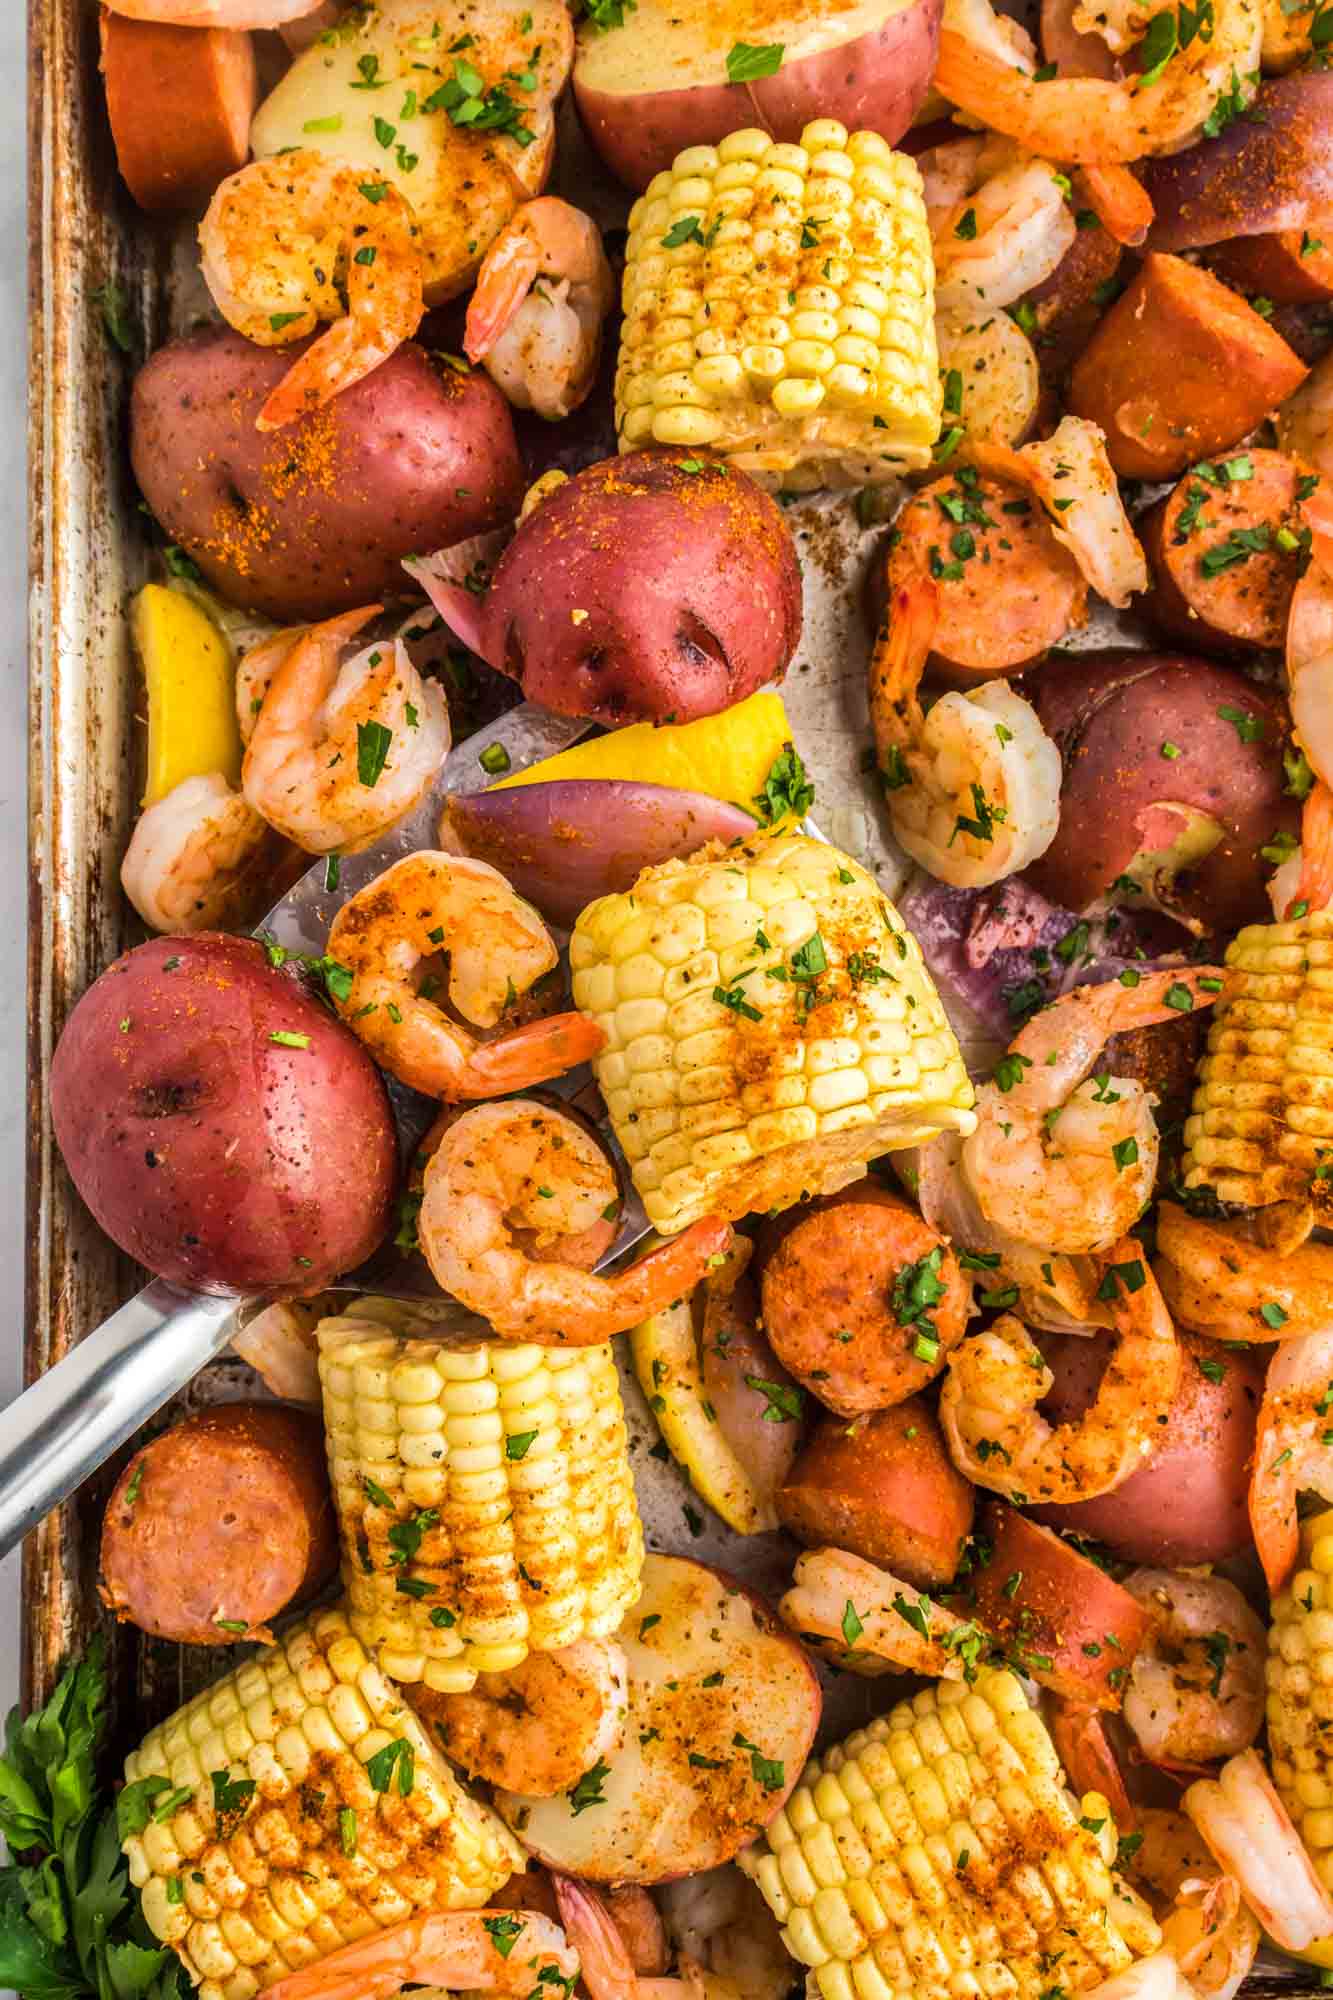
(1007, 591)
(1179, 369)
(1067, 305)
(219, 1523)
(180, 102)
(862, 1300)
(883, 1487)
(1227, 551)
(1292, 267)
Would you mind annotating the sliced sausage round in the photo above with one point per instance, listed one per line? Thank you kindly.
(180, 101)
(1227, 549)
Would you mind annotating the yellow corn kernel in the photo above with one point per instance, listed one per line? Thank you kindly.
(1299, 1674)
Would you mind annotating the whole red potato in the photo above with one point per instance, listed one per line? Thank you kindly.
(316, 518)
(657, 587)
(1173, 781)
(223, 1127)
(1188, 1503)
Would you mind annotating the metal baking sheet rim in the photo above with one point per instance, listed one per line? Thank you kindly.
(85, 558)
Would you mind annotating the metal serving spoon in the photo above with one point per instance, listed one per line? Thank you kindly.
(69, 1422)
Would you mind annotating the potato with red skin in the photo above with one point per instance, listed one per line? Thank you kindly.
(218, 1524)
(884, 1488)
(1188, 1503)
(657, 587)
(1057, 1616)
(829, 1305)
(316, 518)
(223, 1127)
(1118, 718)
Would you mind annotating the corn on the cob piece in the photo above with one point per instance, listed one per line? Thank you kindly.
(779, 307)
(770, 1028)
(307, 1807)
(484, 1493)
(1300, 1694)
(1262, 1119)
(937, 1853)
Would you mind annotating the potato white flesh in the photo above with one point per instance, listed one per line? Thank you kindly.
(666, 1361)
(999, 380)
(723, 1708)
(359, 94)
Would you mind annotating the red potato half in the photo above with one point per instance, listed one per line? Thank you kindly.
(222, 1126)
(1160, 786)
(317, 517)
(684, 1793)
(657, 587)
(646, 94)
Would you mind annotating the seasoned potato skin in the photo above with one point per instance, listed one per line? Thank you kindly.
(221, 1157)
(713, 612)
(316, 518)
(227, 1516)
(883, 1487)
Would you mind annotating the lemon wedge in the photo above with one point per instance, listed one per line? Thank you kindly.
(191, 682)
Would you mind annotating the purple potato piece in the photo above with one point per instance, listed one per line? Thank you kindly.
(1271, 170)
(565, 843)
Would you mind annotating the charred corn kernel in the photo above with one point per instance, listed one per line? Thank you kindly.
(190, 680)
(484, 1493)
(770, 1028)
(789, 239)
(318, 1810)
(1261, 1126)
(938, 1852)
(1300, 1700)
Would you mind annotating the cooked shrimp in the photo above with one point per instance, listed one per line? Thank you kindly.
(535, 320)
(279, 1343)
(1063, 1157)
(290, 242)
(1090, 120)
(867, 1620)
(1309, 648)
(1155, 1978)
(1287, 37)
(1072, 478)
(522, 1164)
(604, 1960)
(1078, 1731)
(1304, 881)
(1293, 1448)
(996, 1380)
(1220, 1282)
(972, 785)
(1016, 224)
(1120, 203)
(1205, 1924)
(453, 1949)
(497, 946)
(195, 856)
(214, 13)
(341, 750)
(1250, 1835)
(1196, 1686)
(254, 675)
(639, 1922)
(720, 1920)
(539, 1727)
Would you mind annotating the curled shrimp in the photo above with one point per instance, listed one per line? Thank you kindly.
(604, 1958)
(537, 1728)
(254, 675)
(719, 1920)
(996, 1380)
(1249, 1833)
(195, 857)
(1304, 881)
(1293, 1448)
(1205, 1924)
(973, 784)
(1064, 1157)
(289, 242)
(1071, 477)
(453, 1949)
(1196, 1686)
(498, 948)
(868, 1621)
(340, 751)
(1078, 1731)
(1093, 120)
(214, 13)
(1217, 1280)
(535, 320)
(1019, 229)
(521, 1165)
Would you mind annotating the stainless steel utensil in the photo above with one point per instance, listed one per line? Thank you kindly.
(69, 1422)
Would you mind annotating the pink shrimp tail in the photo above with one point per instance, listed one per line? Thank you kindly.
(1317, 513)
(1078, 1731)
(461, 612)
(529, 1055)
(504, 281)
(1315, 889)
(671, 1270)
(1121, 204)
(603, 1959)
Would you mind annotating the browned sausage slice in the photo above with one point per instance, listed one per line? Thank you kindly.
(1293, 267)
(219, 1523)
(1007, 591)
(862, 1300)
(1227, 550)
(1180, 369)
(180, 102)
